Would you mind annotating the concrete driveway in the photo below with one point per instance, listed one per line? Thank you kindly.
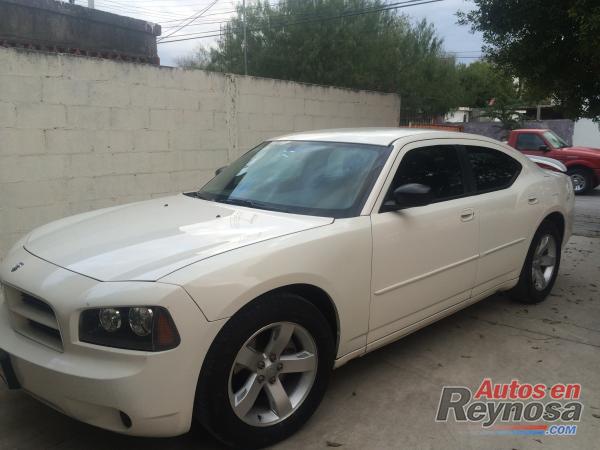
(388, 399)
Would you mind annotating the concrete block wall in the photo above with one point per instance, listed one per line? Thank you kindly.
(80, 133)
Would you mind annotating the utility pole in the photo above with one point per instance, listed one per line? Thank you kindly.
(91, 4)
(245, 42)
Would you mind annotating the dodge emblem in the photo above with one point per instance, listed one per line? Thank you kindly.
(17, 267)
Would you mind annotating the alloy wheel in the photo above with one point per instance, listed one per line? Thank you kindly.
(579, 182)
(544, 262)
(272, 374)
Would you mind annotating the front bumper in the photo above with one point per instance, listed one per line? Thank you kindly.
(99, 385)
(7, 372)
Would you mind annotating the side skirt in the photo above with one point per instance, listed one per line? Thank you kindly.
(422, 323)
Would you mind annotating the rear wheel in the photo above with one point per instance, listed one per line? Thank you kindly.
(541, 266)
(582, 180)
(266, 372)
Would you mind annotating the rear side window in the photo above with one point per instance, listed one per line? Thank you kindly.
(529, 141)
(492, 169)
(437, 167)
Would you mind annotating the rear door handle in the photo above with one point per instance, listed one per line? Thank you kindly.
(467, 215)
(532, 200)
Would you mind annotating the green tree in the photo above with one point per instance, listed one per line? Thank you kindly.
(481, 81)
(486, 86)
(199, 59)
(507, 111)
(552, 46)
(323, 42)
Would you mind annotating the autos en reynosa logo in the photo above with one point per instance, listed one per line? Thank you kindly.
(514, 408)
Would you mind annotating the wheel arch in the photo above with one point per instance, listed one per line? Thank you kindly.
(578, 164)
(214, 360)
(584, 165)
(319, 298)
(558, 220)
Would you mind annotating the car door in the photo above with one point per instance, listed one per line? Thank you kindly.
(504, 202)
(424, 258)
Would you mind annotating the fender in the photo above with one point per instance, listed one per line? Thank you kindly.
(335, 258)
(578, 162)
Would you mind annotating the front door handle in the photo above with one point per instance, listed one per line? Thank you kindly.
(467, 214)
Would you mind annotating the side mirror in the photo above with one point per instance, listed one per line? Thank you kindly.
(219, 170)
(544, 148)
(412, 194)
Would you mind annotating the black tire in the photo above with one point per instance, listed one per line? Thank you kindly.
(525, 291)
(583, 180)
(212, 405)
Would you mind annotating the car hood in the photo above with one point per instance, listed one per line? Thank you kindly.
(150, 239)
(582, 151)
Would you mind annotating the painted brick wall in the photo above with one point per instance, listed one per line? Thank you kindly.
(80, 133)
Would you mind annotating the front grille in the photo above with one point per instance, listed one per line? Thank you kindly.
(35, 303)
(33, 318)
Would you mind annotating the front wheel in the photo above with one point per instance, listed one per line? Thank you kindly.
(541, 266)
(266, 372)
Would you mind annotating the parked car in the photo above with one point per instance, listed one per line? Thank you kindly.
(233, 303)
(583, 163)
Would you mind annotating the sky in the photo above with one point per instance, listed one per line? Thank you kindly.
(173, 14)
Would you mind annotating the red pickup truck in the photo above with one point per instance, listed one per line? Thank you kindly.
(583, 163)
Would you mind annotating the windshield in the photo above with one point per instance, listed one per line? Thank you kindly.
(315, 178)
(554, 139)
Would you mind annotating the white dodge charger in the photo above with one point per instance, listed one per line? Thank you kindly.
(232, 304)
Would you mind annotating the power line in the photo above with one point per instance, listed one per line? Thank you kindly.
(216, 13)
(163, 13)
(124, 10)
(310, 14)
(389, 7)
(199, 23)
(119, 6)
(160, 3)
(283, 23)
(191, 20)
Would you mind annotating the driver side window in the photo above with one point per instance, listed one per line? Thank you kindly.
(437, 167)
(529, 141)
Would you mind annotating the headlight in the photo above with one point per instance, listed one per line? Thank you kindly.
(147, 328)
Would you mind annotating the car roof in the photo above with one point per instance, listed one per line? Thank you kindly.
(374, 136)
(387, 136)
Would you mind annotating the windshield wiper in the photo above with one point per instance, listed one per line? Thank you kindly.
(269, 207)
(252, 204)
(198, 194)
(236, 201)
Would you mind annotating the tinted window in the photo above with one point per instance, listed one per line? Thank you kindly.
(529, 141)
(492, 169)
(437, 167)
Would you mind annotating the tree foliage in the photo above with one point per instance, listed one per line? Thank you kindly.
(552, 46)
(381, 51)
(481, 82)
(484, 85)
(200, 59)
